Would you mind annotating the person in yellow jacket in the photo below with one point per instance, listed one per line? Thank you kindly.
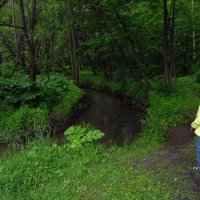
(196, 129)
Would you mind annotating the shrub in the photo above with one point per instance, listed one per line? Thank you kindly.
(7, 69)
(15, 90)
(68, 101)
(24, 122)
(166, 111)
(46, 94)
(82, 135)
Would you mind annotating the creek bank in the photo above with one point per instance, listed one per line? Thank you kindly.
(60, 124)
(136, 105)
(181, 135)
(57, 126)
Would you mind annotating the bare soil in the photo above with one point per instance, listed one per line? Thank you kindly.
(173, 162)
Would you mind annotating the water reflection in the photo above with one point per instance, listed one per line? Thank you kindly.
(112, 116)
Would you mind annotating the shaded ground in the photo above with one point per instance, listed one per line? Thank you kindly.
(172, 163)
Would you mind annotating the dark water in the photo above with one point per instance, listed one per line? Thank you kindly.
(112, 116)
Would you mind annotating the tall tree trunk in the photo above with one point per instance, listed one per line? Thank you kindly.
(166, 42)
(14, 31)
(29, 37)
(76, 69)
(91, 63)
(172, 56)
(18, 39)
(169, 29)
(193, 33)
(72, 47)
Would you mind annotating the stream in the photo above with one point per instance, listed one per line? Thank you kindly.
(112, 116)
(105, 112)
(108, 113)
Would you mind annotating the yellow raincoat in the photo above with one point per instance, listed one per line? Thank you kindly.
(196, 123)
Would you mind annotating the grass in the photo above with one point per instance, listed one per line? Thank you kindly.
(48, 171)
(44, 170)
(23, 123)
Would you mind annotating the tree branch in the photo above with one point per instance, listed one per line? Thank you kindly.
(3, 3)
(12, 26)
(12, 54)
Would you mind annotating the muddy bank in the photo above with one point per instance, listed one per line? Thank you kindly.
(181, 134)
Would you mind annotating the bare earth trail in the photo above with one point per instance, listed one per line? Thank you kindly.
(171, 164)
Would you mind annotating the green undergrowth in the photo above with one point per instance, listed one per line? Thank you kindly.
(25, 106)
(69, 100)
(60, 93)
(167, 109)
(23, 123)
(48, 92)
(98, 81)
(47, 171)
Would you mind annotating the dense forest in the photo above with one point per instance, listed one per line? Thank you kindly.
(141, 38)
(64, 61)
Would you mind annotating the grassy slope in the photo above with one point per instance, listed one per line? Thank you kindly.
(46, 171)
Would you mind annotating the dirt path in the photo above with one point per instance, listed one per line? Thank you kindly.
(171, 164)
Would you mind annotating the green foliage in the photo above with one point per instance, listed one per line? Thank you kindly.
(23, 123)
(82, 135)
(7, 69)
(52, 90)
(68, 101)
(57, 94)
(16, 90)
(169, 107)
(164, 112)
